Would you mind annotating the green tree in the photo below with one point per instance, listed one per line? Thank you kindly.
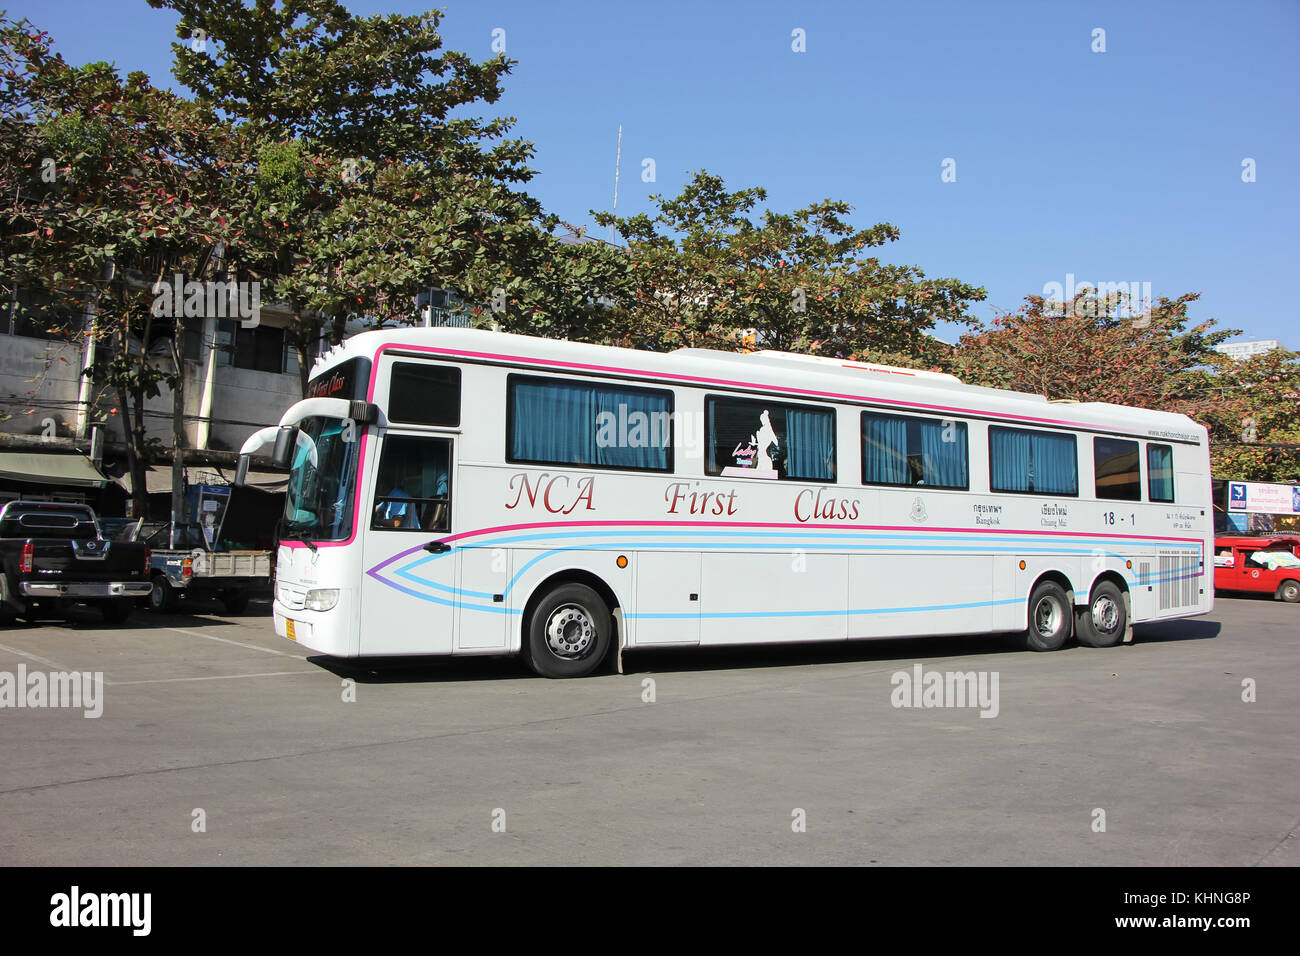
(707, 270)
(100, 174)
(1098, 351)
(371, 181)
(1255, 430)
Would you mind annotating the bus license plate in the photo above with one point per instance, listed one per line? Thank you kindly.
(288, 629)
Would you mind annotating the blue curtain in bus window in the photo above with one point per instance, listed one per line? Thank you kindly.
(633, 429)
(1009, 455)
(943, 462)
(1160, 473)
(1056, 469)
(810, 445)
(553, 423)
(884, 450)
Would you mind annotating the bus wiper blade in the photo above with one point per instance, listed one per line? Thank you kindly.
(304, 536)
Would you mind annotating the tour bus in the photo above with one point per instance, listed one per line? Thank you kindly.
(460, 491)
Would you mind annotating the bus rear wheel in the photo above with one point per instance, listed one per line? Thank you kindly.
(1049, 618)
(1289, 591)
(1103, 622)
(569, 632)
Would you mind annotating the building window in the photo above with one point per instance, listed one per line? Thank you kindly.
(36, 314)
(1160, 472)
(1032, 462)
(260, 348)
(902, 450)
(756, 438)
(1115, 468)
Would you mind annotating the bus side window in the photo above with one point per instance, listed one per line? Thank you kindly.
(413, 486)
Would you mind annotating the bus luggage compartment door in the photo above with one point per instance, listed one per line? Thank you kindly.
(667, 599)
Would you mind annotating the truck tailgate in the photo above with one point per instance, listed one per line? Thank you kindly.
(233, 564)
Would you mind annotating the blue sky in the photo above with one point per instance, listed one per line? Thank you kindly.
(1122, 166)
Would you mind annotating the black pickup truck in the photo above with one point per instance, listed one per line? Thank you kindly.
(53, 554)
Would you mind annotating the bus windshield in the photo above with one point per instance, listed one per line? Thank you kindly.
(318, 501)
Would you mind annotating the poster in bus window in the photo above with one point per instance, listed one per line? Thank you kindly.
(759, 455)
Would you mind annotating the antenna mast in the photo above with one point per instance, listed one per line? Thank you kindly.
(618, 161)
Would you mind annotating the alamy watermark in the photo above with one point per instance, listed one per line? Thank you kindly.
(212, 299)
(634, 428)
(74, 689)
(1130, 299)
(75, 908)
(927, 689)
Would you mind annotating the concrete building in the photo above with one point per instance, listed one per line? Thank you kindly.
(236, 380)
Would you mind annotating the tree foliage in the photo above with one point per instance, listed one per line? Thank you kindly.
(709, 270)
(1105, 350)
(100, 172)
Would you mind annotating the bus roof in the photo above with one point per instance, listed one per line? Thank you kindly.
(806, 377)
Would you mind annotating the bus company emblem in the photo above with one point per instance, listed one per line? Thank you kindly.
(918, 512)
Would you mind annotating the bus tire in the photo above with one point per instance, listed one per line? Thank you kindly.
(1103, 622)
(569, 632)
(1289, 591)
(1050, 618)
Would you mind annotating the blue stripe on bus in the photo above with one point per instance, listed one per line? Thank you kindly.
(659, 615)
(836, 542)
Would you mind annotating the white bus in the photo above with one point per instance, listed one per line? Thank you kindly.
(456, 491)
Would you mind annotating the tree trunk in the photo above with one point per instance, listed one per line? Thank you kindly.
(178, 435)
(134, 463)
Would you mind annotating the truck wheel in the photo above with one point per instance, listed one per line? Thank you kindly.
(236, 602)
(1049, 618)
(1289, 591)
(1103, 622)
(116, 612)
(569, 632)
(163, 595)
(6, 614)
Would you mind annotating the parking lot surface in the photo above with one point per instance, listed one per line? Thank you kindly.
(220, 743)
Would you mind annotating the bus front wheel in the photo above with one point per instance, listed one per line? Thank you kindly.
(569, 632)
(1049, 618)
(1103, 622)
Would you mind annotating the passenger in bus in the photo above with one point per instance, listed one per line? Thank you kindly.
(400, 509)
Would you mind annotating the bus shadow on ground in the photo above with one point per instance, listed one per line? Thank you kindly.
(1185, 629)
(195, 612)
(424, 670)
(886, 651)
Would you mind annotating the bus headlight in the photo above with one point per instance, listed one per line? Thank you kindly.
(321, 599)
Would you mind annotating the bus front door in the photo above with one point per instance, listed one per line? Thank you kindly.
(409, 592)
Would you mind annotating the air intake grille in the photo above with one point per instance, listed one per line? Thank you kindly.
(1179, 577)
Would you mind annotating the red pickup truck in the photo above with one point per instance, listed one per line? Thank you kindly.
(1264, 565)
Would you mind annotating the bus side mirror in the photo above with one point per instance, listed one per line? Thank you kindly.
(241, 471)
(285, 441)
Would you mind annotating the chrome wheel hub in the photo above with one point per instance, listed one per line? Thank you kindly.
(570, 632)
(1047, 617)
(1105, 614)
